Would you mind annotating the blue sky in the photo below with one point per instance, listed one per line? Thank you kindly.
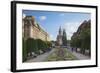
(51, 21)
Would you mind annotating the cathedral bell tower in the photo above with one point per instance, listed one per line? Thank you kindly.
(60, 31)
(59, 37)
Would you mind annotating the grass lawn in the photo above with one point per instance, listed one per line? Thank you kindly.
(56, 57)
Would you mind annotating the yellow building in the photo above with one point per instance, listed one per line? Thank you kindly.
(31, 29)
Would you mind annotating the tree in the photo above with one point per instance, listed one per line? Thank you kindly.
(86, 39)
(42, 45)
(82, 38)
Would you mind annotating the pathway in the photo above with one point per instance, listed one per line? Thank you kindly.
(41, 58)
(78, 55)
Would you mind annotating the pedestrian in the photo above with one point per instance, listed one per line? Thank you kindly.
(72, 49)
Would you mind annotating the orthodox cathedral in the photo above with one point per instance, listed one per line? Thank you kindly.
(59, 37)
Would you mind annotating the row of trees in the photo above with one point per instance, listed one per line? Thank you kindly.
(34, 45)
(82, 38)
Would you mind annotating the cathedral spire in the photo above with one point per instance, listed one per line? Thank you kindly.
(59, 37)
(60, 30)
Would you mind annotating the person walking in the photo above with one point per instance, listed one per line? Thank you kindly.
(72, 49)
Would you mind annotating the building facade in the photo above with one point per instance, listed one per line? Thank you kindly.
(31, 29)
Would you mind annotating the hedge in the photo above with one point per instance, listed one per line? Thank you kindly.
(24, 51)
(31, 45)
(34, 45)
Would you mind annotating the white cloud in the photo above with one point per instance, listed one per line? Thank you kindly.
(42, 18)
(70, 28)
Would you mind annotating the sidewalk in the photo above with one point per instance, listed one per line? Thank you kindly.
(79, 55)
(41, 58)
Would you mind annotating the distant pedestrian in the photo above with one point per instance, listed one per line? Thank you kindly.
(72, 49)
(76, 49)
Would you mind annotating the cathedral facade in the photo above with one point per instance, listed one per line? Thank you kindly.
(61, 38)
